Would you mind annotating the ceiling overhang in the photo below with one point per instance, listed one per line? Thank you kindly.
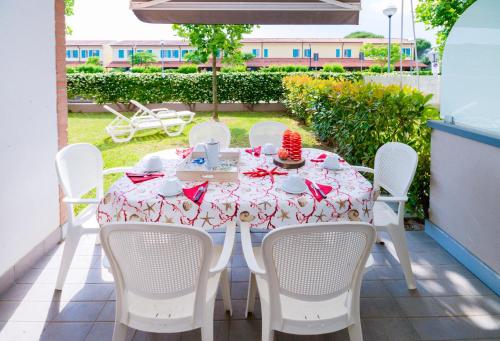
(276, 12)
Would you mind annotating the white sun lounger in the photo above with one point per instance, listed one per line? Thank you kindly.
(123, 129)
(162, 113)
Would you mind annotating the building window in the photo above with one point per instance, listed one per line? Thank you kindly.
(256, 52)
(150, 51)
(84, 53)
(266, 53)
(175, 54)
(337, 53)
(184, 52)
(130, 53)
(68, 54)
(121, 54)
(97, 53)
(347, 53)
(307, 53)
(217, 55)
(75, 53)
(406, 51)
(296, 53)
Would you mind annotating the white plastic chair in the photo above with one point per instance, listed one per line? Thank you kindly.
(203, 132)
(162, 113)
(123, 129)
(166, 276)
(395, 166)
(80, 170)
(309, 277)
(266, 132)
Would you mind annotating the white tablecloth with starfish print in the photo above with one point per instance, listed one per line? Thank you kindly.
(258, 201)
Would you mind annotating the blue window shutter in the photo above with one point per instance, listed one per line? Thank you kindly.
(150, 51)
(266, 53)
(295, 53)
(307, 53)
(337, 53)
(68, 54)
(97, 53)
(75, 53)
(84, 53)
(347, 53)
(218, 54)
(184, 52)
(176, 54)
(169, 53)
(121, 54)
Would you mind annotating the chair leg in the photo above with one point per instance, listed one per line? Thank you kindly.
(355, 332)
(252, 291)
(207, 331)
(226, 291)
(400, 245)
(70, 245)
(120, 332)
(267, 331)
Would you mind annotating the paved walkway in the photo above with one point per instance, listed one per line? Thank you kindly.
(449, 304)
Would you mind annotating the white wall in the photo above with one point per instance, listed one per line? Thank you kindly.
(29, 204)
(465, 193)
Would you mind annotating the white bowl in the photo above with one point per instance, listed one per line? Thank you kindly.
(170, 187)
(294, 184)
(153, 164)
(269, 149)
(331, 162)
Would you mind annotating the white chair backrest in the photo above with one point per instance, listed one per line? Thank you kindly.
(117, 114)
(395, 166)
(79, 168)
(267, 132)
(158, 261)
(141, 107)
(203, 132)
(316, 262)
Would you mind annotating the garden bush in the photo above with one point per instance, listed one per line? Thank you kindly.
(333, 68)
(239, 87)
(85, 68)
(356, 118)
(285, 68)
(235, 68)
(187, 68)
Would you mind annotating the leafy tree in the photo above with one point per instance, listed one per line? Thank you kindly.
(363, 34)
(422, 46)
(142, 58)
(379, 52)
(93, 61)
(208, 40)
(441, 14)
(68, 11)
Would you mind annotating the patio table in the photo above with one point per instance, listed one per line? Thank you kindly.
(258, 201)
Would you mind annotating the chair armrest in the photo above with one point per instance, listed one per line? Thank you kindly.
(227, 249)
(162, 109)
(246, 244)
(69, 200)
(116, 170)
(393, 199)
(364, 169)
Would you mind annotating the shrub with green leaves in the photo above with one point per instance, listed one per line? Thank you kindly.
(145, 69)
(285, 68)
(238, 87)
(85, 68)
(187, 68)
(333, 68)
(235, 68)
(375, 68)
(357, 118)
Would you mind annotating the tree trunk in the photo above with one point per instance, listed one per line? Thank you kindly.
(215, 115)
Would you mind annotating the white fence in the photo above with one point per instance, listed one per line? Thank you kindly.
(426, 84)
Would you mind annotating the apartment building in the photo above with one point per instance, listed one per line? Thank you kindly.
(314, 52)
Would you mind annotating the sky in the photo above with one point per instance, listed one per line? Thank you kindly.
(113, 20)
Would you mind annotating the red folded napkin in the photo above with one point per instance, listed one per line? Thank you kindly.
(184, 152)
(319, 158)
(137, 178)
(191, 193)
(254, 151)
(324, 188)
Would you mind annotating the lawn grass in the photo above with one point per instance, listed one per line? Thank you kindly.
(89, 127)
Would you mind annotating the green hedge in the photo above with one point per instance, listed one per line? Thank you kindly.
(244, 87)
(357, 118)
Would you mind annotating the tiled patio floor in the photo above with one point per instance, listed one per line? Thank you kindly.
(449, 304)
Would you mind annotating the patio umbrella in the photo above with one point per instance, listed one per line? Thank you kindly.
(266, 12)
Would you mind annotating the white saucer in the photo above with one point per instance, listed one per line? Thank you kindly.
(283, 187)
(170, 195)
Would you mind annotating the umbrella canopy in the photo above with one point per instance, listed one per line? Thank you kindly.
(265, 12)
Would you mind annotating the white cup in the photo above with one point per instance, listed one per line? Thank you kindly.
(170, 186)
(269, 149)
(332, 162)
(294, 183)
(153, 164)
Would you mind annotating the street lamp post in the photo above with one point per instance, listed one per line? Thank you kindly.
(389, 12)
(310, 57)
